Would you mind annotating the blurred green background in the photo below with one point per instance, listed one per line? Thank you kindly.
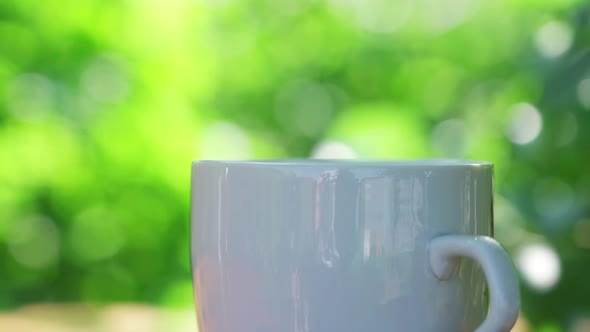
(103, 105)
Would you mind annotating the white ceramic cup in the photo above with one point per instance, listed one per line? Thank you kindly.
(348, 246)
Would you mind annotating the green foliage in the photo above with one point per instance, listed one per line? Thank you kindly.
(103, 105)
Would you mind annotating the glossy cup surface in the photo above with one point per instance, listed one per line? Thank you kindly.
(335, 246)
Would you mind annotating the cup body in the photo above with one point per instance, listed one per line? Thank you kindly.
(326, 246)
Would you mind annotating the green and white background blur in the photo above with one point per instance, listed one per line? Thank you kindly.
(103, 105)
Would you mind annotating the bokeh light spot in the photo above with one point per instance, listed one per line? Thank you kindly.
(449, 138)
(224, 140)
(525, 124)
(583, 92)
(539, 265)
(444, 15)
(553, 39)
(95, 234)
(292, 7)
(105, 79)
(304, 106)
(333, 150)
(30, 97)
(377, 16)
(215, 4)
(34, 241)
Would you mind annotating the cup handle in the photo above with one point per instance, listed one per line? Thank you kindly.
(445, 251)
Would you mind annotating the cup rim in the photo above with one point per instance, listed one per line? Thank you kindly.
(348, 162)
